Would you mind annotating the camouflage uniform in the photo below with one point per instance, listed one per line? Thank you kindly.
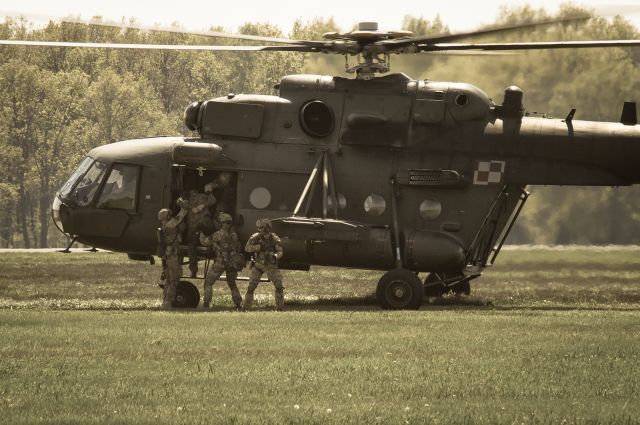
(226, 245)
(198, 220)
(224, 195)
(266, 248)
(171, 230)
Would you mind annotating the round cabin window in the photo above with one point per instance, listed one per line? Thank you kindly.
(260, 197)
(375, 204)
(430, 209)
(316, 118)
(462, 99)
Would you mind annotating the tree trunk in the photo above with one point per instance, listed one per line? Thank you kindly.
(6, 229)
(22, 216)
(43, 213)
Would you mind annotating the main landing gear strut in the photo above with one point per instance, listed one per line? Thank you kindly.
(402, 289)
(399, 289)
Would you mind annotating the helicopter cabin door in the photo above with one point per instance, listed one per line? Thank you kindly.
(221, 183)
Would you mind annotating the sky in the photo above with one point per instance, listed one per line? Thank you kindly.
(200, 14)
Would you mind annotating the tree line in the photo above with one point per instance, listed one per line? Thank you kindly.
(58, 103)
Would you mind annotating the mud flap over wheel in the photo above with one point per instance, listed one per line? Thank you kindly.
(187, 295)
(400, 289)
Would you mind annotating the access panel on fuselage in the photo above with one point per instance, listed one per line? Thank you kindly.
(376, 119)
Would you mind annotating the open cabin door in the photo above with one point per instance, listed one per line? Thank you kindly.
(185, 179)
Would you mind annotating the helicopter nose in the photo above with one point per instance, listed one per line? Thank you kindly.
(55, 213)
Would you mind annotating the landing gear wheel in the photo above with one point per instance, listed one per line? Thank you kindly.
(400, 289)
(438, 284)
(187, 295)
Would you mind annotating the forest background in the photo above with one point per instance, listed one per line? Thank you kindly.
(58, 103)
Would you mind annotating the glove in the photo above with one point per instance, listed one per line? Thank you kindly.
(182, 203)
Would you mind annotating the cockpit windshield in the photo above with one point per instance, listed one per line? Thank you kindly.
(86, 189)
(82, 168)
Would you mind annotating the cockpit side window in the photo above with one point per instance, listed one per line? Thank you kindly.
(82, 168)
(88, 186)
(119, 192)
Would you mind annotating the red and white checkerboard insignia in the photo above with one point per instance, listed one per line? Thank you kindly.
(489, 172)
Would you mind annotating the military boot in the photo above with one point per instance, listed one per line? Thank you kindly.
(248, 301)
(279, 301)
(236, 297)
(208, 295)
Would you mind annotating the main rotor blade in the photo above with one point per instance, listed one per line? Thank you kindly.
(124, 26)
(156, 46)
(248, 37)
(468, 53)
(446, 38)
(542, 45)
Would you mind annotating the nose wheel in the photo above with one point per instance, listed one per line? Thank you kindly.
(400, 289)
(187, 295)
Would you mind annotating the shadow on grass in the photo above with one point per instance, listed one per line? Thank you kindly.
(341, 303)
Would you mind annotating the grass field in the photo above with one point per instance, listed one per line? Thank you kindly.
(549, 336)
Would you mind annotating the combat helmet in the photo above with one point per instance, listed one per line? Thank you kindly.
(264, 223)
(164, 214)
(224, 178)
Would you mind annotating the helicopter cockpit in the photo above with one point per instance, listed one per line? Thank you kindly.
(119, 190)
(97, 187)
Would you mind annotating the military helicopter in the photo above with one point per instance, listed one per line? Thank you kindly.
(379, 172)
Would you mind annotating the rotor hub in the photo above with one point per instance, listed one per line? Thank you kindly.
(367, 32)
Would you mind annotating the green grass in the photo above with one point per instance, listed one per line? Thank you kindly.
(548, 337)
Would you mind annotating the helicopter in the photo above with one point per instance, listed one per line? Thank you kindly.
(379, 172)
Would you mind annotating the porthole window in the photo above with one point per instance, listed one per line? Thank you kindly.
(462, 99)
(374, 204)
(260, 197)
(430, 209)
(342, 201)
(316, 118)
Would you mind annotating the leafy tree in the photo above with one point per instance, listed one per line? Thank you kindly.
(423, 27)
(123, 107)
(53, 147)
(313, 30)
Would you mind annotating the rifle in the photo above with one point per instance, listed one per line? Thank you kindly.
(162, 243)
(268, 247)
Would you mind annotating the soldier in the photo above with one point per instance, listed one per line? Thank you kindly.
(227, 248)
(266, 248)
(169, 238)
(198, 220)
(224, 195)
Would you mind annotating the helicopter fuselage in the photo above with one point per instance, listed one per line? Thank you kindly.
(355, 173)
